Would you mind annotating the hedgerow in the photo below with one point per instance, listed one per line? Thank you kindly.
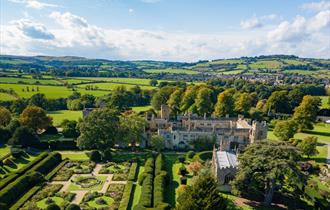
(127, 195)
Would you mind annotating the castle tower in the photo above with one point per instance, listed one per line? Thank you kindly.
(258, 131)
(165, 112)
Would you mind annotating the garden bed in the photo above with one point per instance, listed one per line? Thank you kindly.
(87, 183)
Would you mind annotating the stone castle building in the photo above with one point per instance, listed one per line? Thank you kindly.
(231, 134)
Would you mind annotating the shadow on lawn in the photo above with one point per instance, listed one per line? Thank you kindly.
(170, 196)
(317, 133)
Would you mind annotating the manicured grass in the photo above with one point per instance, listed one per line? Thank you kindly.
(323, 154)
(75, 156)
(107, 199)
(18, 164)
(42, 203)
(141, 108)
(75, 187)
(49, 91)
(266, 64)
(60, 115)
(111, 86)
(137, 189)
(231, 72)
(4, 150)
(171, 71)
(6, 97)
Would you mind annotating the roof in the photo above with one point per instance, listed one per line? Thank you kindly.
(226, 159)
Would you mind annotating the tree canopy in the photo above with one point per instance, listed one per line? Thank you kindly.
(35, 118)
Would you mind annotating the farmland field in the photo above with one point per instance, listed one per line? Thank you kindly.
(172, 71)
(266, 64)
(28, 80)
(325, 101)
(59, 116)
(111, 86)
(133, 81)
(141, 108)
(6, 97)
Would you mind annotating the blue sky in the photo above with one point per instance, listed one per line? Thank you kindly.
(183, 30)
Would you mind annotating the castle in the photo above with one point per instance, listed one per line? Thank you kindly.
(231, 135)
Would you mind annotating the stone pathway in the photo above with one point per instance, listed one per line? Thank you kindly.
(81, 193)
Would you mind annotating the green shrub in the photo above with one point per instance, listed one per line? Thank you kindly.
(181, 159)
(25, 197)
(132, 172)
(95, 156)
(203, 156)
(159, 164)
(17, 188)
(146, 191)
(72, 206)
(127, 195)
(48, 163)
(190, 154)
(107, 155)
(183, 180)
(183, 171)
(163, 206)
(53, 206)
(55, 170)
(159, 189)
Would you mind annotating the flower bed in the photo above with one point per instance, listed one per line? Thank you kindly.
(115, 168)
(87, 182)
(73, 167)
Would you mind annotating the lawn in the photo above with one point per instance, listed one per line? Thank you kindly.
(60, 115)
(4, 150)
(141, 108)
(107, 199)
(171, 71)
(133, 81)
(6, 97)
(137, 189)
(75, 187)
(28, 80)
(75, 155)
(18, 163)
(49, 91)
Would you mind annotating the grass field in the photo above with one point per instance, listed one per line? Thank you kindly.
(141, 108)
(266, 64)
(43, 205)
(325, 101)
(18, 163)
(137, 189)
(49, 91)
(133, 81)
(73, 186)
(60, 115)
(231, 72)
(111, 86)
(28, 80)
(6, 97)
(171, 71)
(4, 150)
(75, 156)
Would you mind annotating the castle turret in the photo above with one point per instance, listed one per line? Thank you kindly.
(258, 131)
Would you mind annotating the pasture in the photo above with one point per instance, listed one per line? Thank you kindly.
(26, 80)
(60, 115)
(171, 71)
(6, 97)
(111, 86)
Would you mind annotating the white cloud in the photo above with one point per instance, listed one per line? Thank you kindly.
(131, 10)
(258, 22)
(74, 35)
(316, 6)
(33, 30)
(35, 4)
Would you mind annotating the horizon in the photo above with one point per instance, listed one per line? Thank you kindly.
(165, 30)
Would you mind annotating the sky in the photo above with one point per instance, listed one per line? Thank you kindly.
(171, 30)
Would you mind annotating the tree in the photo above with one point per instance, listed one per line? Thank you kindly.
(203, 143)
(99, 130)
(195, 167)
(161, 97)
(69, 129)
(35, 118)
(244, 102)
(119, 99)
(53, 206)
(306, 113)
(225, 103)
(24, 136)
(153, 82)
(4, 135)
(19, 105)
(266, 167)
(95, 156)
(203, 101)
(308, 146)
(202, 194)
(278, 102)
(88, 101)
(75, 104)
(157, 143)
(72, 206)
(5, 116)
(132, 128)
(13, 125)
(174, 101)
(188, 98)
(285, 129)
(38, 100)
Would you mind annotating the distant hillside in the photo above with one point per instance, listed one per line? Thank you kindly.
(79, 66)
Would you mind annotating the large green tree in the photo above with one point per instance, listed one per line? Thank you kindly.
(202, 194)
(225, 103)
(99, 130)
(308, 146)
(174, 101)
(157, 143)
(5, 116)
(267, 167)
(278, 102)
(244, 102)
(188, 98)
(285, 129)
(161, 97)
(35, 118)
(306, 113)
(132, 128)
(24, 136)
(203, 101)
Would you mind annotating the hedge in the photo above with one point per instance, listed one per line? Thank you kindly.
(159, 189)
(159, 164)
(55, 170)
(133, 172)
(4, 182)
(203, 156)
(26, 197)
(48, 163)
(17, 188)
(127, 195)
(148, 169)
(146, 191)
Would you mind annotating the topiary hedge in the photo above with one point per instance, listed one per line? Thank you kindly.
(159, 164)
(127, 195)
(46, 165)
(26, 197)
(17, 188)
(203, 156)
(159, 189)
(55, 170)
(146, 191)
(132, 172)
